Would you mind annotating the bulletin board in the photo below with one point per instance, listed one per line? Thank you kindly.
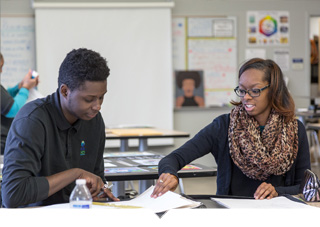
(208, 44)
(17, 48)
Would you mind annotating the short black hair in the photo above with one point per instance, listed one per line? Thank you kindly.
(82, 65)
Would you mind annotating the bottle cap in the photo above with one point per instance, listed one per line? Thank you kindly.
(81, 181)
(34, 74)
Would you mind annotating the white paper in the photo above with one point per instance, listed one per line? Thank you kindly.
(240, 217)
(169, 200)
(255, 53)
(281, 57)
(223, 28)
(107, 164)
(277, 202)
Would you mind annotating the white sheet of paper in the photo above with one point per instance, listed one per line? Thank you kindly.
(277, 202)
(169, 200)
(108, 164)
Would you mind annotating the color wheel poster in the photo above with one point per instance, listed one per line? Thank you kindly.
(267, 28)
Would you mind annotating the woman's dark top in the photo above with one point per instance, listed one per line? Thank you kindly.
(214, 139)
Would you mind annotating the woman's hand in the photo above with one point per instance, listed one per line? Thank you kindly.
(166, 182)
(265, 190)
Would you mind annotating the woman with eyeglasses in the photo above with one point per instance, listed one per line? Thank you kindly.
(261, 149)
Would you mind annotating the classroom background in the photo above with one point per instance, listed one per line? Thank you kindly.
(181, 37)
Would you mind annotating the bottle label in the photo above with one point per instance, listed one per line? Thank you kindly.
(79, 206)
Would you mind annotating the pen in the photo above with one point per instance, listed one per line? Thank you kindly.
(105, 186)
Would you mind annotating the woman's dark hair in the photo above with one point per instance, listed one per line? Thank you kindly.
(182, 75)
(82, 65)
(278, 93)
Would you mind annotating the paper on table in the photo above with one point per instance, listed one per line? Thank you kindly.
(277, 202)
(108, 164)
(94, 206)
(169, 200)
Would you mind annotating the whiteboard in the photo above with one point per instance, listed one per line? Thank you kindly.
(17, 48)
(208, 44)
(137, 45)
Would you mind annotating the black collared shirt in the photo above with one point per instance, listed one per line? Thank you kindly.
(41, 142)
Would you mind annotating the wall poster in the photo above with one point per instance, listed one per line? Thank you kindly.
(268, 28)
(209, 45)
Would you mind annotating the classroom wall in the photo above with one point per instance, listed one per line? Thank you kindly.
(299, 12)
(299, 80)
(192, 120)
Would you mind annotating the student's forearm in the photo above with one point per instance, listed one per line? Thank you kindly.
(62, 179)
(19, 100)
(13, 91)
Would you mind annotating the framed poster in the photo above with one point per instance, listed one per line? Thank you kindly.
(267, 28)
(208, 44)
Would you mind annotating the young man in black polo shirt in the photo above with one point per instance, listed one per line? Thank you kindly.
(55, 140)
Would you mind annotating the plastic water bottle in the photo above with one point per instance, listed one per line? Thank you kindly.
(80, 196)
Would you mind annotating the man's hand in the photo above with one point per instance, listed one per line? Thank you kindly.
(94, 182)
(106, 194)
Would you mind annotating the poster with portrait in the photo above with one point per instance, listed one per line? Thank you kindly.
(189, 88)
(208, 44)
(267, 28)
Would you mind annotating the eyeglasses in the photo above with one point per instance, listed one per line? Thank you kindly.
(251, 92)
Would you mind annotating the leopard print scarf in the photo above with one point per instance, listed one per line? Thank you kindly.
(260, 155)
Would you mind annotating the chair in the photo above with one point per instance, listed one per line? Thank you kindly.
(314, 144)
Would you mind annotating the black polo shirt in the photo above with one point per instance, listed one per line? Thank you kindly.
(41, 142)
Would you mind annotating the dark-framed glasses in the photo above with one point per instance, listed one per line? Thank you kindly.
(252, 92)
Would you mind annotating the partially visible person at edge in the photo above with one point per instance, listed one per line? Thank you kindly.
(260, 148)
(55, 140)
(12, 100)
